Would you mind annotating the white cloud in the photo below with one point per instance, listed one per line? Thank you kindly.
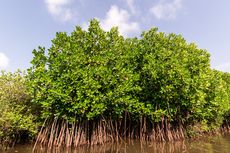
(4, 61)
(120, 18)
(117, 17)
(166, 9)
(131, 5)
(225, 67)
(60, 9)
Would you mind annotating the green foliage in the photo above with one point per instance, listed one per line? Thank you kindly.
(93, 73)
(86, 74)
(173, 74)
(226, 86)
(16, 120)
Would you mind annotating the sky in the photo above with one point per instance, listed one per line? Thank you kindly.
(27, 24)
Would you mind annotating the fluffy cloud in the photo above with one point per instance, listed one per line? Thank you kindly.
(166, 9)
(60, 9)
(4, 61)
(120, 18)
(223, 67)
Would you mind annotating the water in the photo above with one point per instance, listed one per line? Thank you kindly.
(216, 144)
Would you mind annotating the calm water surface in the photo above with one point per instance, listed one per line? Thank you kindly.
(217, 144)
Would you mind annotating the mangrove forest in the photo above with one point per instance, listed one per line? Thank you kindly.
(94, 86)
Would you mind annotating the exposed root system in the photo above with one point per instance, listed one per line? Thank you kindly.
(59, 132)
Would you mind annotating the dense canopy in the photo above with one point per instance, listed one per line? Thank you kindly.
(94, 73)
(93, 86)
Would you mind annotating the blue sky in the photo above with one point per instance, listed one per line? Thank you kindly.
(27, 24)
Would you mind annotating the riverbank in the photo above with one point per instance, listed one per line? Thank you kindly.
(176, 145)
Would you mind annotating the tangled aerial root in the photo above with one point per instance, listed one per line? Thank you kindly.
(59, 132)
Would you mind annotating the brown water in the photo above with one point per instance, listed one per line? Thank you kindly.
(217, 144)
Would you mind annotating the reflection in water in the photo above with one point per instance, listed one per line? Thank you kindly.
(219, 144)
